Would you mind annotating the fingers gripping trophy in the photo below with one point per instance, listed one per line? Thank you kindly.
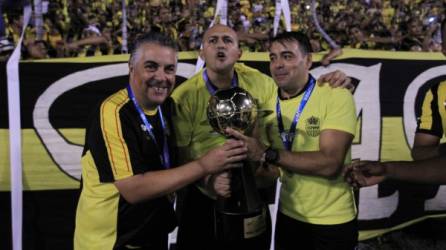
(242, 216)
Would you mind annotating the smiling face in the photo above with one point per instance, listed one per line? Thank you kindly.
(152, 74)
(220, 49)
(289, 65)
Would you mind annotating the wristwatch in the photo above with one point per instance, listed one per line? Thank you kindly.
(271, 155)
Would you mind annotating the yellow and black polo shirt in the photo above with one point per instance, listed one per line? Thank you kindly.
(433, 111)
(117, 147)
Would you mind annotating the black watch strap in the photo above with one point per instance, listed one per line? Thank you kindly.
(271, 155)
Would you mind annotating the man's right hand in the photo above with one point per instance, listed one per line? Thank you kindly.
(255, 147)
(365, 173)
(223, 157)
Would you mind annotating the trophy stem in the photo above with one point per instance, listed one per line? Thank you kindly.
(243, 215)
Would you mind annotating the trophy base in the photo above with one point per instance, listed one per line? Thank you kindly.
(238, 227)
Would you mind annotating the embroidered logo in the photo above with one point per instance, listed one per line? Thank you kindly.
(143, 128)
(312, 126)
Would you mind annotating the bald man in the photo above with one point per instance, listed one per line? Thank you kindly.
(195, 136)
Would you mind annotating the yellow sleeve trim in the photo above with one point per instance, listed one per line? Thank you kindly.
(117, 149)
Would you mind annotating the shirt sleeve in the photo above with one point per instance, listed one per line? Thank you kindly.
(117, 151)
(341, 112)
(106, 145)
(182, 117)
(430, 121)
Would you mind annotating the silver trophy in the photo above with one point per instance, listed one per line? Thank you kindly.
(242, 216)
(234, 108)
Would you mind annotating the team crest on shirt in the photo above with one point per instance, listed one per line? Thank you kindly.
(166, 130)
(312, 126)
(143, 128)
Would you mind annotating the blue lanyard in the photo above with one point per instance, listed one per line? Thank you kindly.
(288, 138)
(165, 157)
(211, 88)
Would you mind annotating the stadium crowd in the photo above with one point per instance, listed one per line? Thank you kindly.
(93, 27)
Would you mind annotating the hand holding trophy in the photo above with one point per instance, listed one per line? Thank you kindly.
(242, 216)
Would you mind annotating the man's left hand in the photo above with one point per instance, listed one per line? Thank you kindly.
(336, 79)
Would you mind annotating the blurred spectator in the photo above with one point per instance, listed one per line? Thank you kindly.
(443, 36)
(163, 23)
(36, 50)
(374, 24)
(92, 43)
(413, 40)
(357, 38)
(6, 45)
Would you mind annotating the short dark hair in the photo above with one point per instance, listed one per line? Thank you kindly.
(152, 37)
(294, 36)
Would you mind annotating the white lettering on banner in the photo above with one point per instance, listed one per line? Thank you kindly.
(367, 104)
(438, 202)
(67, 156)
(372, 207)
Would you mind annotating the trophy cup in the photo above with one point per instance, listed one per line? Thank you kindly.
(243, 215)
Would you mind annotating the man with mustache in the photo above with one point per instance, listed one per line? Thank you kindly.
(194, 135)
(128, 165)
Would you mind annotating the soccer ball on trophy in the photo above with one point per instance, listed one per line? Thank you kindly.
(234, 108)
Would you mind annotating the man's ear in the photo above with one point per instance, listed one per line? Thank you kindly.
(309, 60)
(130, 67)
(240, 52)
(200, 54)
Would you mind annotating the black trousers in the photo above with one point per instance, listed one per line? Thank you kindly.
(196, 226)
(158, 242)
(292, 234)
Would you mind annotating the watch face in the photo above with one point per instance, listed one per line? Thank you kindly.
(271, 155)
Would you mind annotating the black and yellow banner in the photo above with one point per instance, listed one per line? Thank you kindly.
(57, 95)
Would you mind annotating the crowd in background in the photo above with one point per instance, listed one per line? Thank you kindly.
(94, 27)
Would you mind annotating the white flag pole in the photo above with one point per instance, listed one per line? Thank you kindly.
(277, 15)
(286, 14)
(327, 38)
(124, 45)
(15, 136)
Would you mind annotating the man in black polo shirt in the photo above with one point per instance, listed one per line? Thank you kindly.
(127, 164)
